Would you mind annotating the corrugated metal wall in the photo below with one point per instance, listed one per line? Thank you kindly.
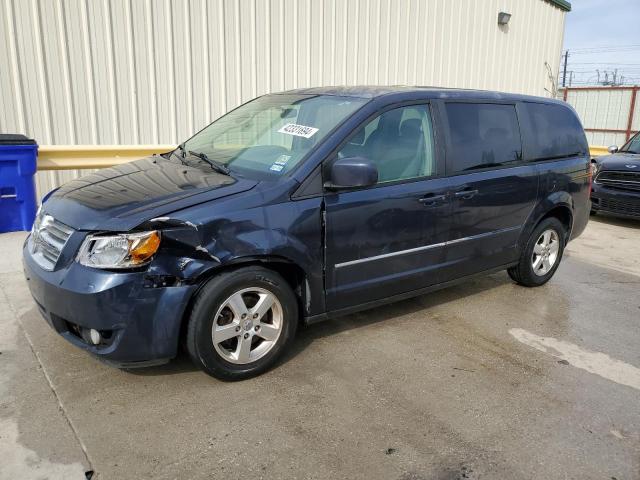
(605, 109)
(156, 71)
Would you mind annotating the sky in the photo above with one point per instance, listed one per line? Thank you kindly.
(602, 35)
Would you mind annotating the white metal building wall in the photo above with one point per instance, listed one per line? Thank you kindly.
(156, 71)
(604, 108)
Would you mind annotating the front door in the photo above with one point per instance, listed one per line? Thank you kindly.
(493, 191)
(387, 239)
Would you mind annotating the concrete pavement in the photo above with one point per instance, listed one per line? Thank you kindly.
(483, 380)
(37, 439)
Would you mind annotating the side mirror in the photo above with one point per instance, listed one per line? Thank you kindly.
(613, 148)
(352, 172)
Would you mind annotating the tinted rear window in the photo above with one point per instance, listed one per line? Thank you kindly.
(482, 135)
(556, 132)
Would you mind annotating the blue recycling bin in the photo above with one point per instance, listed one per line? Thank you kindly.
(18, 204)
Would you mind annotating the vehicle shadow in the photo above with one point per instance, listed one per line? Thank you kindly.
(615, 221)
(179, 365)
(386, 313)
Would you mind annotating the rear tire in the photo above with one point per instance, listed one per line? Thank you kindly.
(241, 322)
(541, 256)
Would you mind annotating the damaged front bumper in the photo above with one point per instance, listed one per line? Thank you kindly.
(137, 315)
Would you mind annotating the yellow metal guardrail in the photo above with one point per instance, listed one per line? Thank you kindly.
(597, 151)
(78, 157)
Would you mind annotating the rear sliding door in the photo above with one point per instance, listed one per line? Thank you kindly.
(493, 191)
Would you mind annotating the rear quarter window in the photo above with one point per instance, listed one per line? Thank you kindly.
(555, 132)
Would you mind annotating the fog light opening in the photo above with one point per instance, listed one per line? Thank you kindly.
(95, 336)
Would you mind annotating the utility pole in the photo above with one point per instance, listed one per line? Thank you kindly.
(564, 70)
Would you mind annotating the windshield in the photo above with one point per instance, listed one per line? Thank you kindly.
(270, 135)
(633, 145)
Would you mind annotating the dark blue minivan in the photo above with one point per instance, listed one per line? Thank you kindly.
(302, 206)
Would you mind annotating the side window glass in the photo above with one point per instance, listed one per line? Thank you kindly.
(556, 132)
(399, 142)
(633, 145)
(482, 135)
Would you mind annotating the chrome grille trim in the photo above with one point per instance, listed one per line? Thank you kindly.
(52, 240)
(48, 239)
(619, 180)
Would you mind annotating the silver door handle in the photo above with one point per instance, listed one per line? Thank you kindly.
(429, 201)
(466, 194)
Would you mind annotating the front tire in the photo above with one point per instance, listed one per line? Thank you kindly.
(541, 256)
(241, 322)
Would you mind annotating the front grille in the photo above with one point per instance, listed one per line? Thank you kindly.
(619, 180)
(620, 206)
(47, 240)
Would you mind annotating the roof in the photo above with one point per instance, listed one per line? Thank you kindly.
(561, 4)
(359, 91)
(373, 91)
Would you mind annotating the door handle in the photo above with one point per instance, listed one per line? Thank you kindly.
(466, 194)
(430, 200)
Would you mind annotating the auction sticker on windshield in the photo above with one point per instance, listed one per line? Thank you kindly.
(298, 130)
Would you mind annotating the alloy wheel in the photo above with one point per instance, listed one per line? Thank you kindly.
(247, 325)
(545, 252)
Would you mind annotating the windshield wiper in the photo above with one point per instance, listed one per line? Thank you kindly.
(217, 166)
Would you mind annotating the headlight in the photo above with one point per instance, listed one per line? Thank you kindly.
(119, 251)
(37, 220)
(594, 168)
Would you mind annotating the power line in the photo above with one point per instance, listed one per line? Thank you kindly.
(604, 63)
(603, 73)
(606, 47)
(594, 70)
(609, 50)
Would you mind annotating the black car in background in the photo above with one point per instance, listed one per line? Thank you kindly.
(616, 189)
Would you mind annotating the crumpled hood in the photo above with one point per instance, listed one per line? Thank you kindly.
(121, 197)
(627, 162)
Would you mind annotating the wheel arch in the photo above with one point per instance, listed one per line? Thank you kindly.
(563, 213)
(558, 206)
(293, 274)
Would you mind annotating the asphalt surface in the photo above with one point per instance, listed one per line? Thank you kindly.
(480, 381)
